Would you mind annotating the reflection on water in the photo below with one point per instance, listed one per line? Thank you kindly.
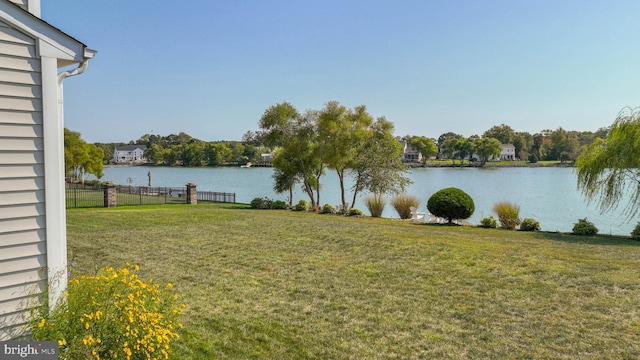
(547, 194)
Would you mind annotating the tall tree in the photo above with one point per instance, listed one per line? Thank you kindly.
(463, 148)
(379, 168)
(340, 136)
(523, 141)
(217, 154)
(486, 148)
(283, 126)
(609, 170)
(562, 145)
(80, 157)
(155, 154)
(447, 143)
(504, 133)
(425, 146)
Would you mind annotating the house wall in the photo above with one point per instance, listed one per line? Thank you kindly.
(23, 251)
(128, 156)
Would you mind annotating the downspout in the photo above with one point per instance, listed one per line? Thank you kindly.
(77, 71)
(63, 75)
(58, 257)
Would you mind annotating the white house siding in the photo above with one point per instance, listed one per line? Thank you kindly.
(23, 258)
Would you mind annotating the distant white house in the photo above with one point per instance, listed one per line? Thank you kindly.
(508, 152)
(129, 154)
(409, 154)
(33, 242)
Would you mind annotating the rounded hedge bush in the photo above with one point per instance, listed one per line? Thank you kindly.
(529, 224)
(355, 212)
(451, 204)
(279, 205)
(584, 227)
(302, 205)
(327, 209)
(260, 203)
(489, 222)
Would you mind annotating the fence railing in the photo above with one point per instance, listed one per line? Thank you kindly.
(83, 196)
(216, 196)
(144, 195)
(79, 195)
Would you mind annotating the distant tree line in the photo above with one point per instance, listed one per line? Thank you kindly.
(185, 150)
(554, 145)
(558, 145)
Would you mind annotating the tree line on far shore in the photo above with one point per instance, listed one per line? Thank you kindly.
(184, 150)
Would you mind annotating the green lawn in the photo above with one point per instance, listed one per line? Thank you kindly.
(287, 285)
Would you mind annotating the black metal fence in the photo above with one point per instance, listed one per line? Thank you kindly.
(144, 195)
(83, 196)
(216, 196)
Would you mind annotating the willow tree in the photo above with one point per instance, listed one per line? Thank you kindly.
(486, 148)
(609, 170)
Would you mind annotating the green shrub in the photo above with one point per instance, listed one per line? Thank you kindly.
(529, 224)
(635, 234)
(302, 205)
(508, 214)
(402, 203)
(279, 205)
(533, 158)
(584, 227)
(489, 222)
(375, 204)
(451, 204)
(327, 209)
(113, 314)
(261, 203)
(355, 212)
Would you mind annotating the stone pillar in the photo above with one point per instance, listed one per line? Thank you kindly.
(192, 194)
(110, 195)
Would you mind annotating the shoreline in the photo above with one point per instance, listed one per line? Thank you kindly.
(494, 165)
(410, 165)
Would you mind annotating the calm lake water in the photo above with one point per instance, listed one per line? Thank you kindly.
(547, 194)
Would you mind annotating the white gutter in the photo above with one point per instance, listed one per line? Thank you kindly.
(77, 71)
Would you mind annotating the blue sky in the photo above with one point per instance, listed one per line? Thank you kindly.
(211, 68)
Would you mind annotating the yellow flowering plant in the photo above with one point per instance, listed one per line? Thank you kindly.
(111, 315)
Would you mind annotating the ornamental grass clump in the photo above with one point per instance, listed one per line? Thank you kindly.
(403, 203)
(112, 315)
(375, 204)
(508, 214)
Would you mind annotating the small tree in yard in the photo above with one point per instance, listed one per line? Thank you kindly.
(451, 204)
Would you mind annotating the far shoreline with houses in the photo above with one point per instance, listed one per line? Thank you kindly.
(134, 155)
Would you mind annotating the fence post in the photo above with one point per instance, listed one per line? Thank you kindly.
(110, 195)
(192, 193)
